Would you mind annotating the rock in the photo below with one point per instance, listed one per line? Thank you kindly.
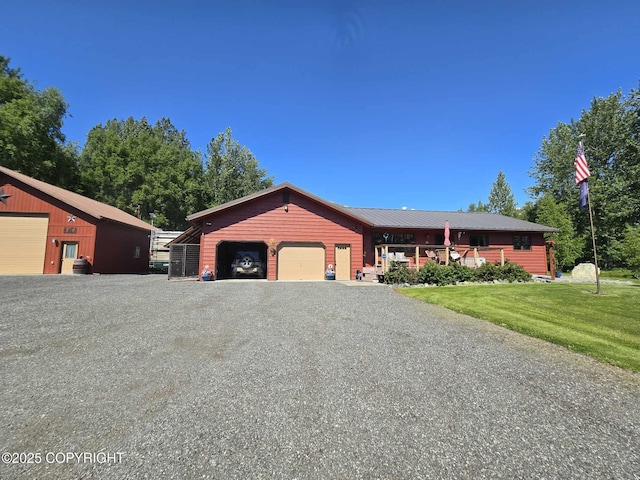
(584, 271)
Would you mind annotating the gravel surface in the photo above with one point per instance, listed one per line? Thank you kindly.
(147, 378)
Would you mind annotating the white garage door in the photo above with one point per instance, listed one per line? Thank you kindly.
(301, 262)
(23, 240)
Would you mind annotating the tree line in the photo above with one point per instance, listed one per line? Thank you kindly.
(143, 168)
(131, 164)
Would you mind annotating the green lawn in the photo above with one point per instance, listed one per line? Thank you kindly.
(605, 326)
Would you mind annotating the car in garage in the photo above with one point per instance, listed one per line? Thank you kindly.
(247, 264)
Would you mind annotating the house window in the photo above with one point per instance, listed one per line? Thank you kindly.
(479, 240)
(401, 238)
(521, 242)
(136, 252)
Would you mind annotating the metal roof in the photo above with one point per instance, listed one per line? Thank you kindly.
(89, 206)
(390, 218)
(282, 186)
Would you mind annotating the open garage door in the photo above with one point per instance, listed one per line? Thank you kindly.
(241, 260)
(23, 243)
(301, 261)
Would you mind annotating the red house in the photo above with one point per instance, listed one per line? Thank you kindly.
(44, 229)
(291, 234)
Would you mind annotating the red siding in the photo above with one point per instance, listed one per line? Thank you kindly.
(115, 245)
(266, 220)
(534, 260)
(25, 199)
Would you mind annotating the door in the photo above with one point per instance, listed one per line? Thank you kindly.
(301, 262)
(343, 262)
(69, 254)
(23, 241)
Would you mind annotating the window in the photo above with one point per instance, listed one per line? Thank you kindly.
(403, 238)
(136, 252)
(521, 242)
(479, 240)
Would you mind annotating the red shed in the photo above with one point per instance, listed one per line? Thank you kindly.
(44, 229)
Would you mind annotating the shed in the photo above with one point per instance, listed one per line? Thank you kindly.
(44, 229)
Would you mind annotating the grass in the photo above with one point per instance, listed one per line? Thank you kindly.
(619, 274)
(606, 326)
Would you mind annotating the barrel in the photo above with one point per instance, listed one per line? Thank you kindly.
(81, 266)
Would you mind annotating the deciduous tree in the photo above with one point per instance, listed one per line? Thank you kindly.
(144, 169)
(31, 138)
(231, 170)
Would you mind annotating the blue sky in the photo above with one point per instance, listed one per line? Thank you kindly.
(364, 103)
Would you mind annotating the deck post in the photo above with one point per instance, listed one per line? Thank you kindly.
(476, 258)
(502, 257)
(417, 257)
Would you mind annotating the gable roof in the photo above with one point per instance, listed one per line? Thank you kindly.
(93, 208)
(390, 218)
(283, 186)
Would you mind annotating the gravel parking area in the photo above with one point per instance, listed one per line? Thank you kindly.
(137, 377)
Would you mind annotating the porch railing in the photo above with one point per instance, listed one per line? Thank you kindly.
(411, 255)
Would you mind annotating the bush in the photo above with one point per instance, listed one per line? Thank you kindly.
(434, 274)
(441, 275)
(512, 272)
(487, 272)
(462, 273)
(400, 273)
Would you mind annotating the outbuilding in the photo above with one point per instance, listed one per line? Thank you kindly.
(286, 233)
(45, 229)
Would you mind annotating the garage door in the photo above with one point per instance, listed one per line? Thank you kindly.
(22, 244)
(301, 262)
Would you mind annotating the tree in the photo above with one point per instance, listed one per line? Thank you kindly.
(31, 138)
(501, 200)
(631, 249)
(479, 207)
(611, 129)
(143, 169)
(231, 170)
(569, 246)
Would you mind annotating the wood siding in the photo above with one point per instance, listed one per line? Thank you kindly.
(67, 224)
(266, 220)
(115, 246)
(533, 261)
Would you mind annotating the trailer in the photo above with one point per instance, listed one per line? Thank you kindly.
(159, 251)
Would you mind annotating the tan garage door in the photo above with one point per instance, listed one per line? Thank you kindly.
(301, 262)
(23, 241)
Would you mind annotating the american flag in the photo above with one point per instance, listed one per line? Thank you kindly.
(582, 169)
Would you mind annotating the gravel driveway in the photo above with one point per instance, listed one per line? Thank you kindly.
(138, 377)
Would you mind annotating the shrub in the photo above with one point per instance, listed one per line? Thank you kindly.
(487, 272)
(399, 273)
(512, 272)
(462, 273)
(434, 274)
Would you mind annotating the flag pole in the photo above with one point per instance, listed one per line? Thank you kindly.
(593, 232)
(593, 239)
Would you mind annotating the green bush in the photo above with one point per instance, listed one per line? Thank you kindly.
(441, 275)
(512, 272)
(487, 272)
(400, 273)
(462, 273)
(434, 274)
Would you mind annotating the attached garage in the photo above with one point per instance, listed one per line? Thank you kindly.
(23, 243)
(241, 260)
(302, 261)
